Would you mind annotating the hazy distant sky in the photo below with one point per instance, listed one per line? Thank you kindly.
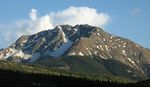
(127, 18)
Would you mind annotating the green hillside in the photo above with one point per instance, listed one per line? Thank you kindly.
(20, 75)
(36, 69)
(90, 65)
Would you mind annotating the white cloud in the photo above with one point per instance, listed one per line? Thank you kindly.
(136, 11)
(33, 14)
(37, 23)
(79, 15)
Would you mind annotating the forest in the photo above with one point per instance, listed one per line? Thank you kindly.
(9, 78)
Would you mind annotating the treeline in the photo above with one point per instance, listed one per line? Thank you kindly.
(10, 78)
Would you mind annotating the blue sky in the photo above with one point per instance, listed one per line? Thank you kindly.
(127, 18)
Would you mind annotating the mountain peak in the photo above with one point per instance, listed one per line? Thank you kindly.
(58, 28)
(48, 43)
(83, 41)
(64, 37)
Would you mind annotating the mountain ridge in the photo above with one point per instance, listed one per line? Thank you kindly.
(101, 49)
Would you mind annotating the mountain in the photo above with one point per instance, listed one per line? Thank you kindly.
(82, 48)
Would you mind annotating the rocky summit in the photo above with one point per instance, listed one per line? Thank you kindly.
(82, 48)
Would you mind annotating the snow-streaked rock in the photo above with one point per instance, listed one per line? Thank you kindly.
(61, 50)
(81, 54)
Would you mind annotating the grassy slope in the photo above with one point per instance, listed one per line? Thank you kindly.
(4, 65)
(85, 64)
(18, 75)
(97, 66)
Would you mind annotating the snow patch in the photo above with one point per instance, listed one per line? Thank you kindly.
(137, 45)
(97, 47)
(24, 41)
(98, 34)
(19, 54)
(81, 54)
(61, 50)
(90, 53)
(112, 37)
(131, 60)
(104, 39)
(8, 52)
(59, 27)
(15, 54)
(101, 47)
(64, 37)
(56, 39)
(124, 52)
(106, 47)
(110, 56)
(86, 48)
(45, 46)
(129, 71)
(121, 41)
(72, 54)
(124, 46)
(95, 52)
(119, 45)
(102, 57)
(75, 29)
(27, 56)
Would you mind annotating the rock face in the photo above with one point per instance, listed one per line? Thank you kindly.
(118, 56)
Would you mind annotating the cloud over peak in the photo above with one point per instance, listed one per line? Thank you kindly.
(36, 23)
(71, 16)
(79, 15)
